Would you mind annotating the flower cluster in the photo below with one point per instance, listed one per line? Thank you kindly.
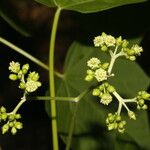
(11, 121)
(17, 73)
(106, 41)
(131, 53)
(28, 83)
(114, 121)
(140, 99)
(116, 47)
(96, 70)
(104, 91)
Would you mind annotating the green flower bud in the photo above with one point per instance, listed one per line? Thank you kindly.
(130, 52)
(111, 126)
(89, 78)
(96, 92)
(104, 48)
(121, 130)
(18, 125)
(132, 58)
(118, 118)
(110, 89)
(125, 43)
(25, 68)
(101, 87)
(5, 128)
(144, 107)
(11, 117)
(105, 65)
(22, 85)
(13, 130)
(11, 124)
(3, 109)
(17, 116)
(119, 41)
(106, 84)
(131, 115)
(111, 119)
(141, 102)
(145, 95)
(34, 76)
(4, 116)
(90, 72)
(120, 125)
(13, 77)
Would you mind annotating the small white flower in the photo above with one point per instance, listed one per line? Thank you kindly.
(137, 49)
(106, 98)
(109, 40)
(32, 86)
(100, 75)
(93, 63)
(14, 67)
(98, 41)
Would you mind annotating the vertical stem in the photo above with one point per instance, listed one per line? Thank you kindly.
(51, 79)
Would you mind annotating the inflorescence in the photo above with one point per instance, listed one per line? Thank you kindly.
(99, 71)
(29, 83)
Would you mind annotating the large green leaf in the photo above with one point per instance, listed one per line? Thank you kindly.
(90, 132)
(87, 6)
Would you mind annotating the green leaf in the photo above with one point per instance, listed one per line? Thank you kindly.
(11, 20)
(89, 128)
(86, 6)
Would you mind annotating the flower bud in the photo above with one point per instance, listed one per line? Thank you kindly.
(96, 92)
(131, 115)
(119, 40)
(111, 126)
(22, 85)
(13, 130)
(18, 125)
(13, 77)
(25, 68)
(3, 109)
(104, 48)
(90, 72)
(4, 116)
(110, 89)
(125, 43)
(5, 128)
(132, 58)
(144, 107)
(105, 65)
(89, 78)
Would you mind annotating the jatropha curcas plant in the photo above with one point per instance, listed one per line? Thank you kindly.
(102, 71)
(28, 82)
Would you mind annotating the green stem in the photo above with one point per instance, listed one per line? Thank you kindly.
(47, 98)
(120, 99)
(27, 55)
(23, 100)
(51, 79)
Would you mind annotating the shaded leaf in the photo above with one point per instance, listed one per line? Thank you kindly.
(89, 129)
(86, 6)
